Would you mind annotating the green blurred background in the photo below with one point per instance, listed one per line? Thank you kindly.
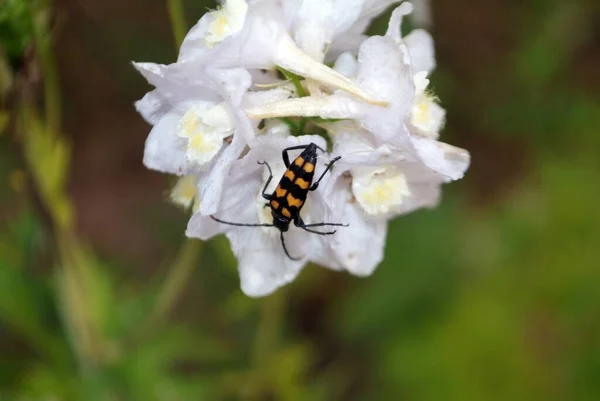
(495, 295)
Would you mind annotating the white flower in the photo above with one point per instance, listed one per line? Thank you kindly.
(222, 116)
(199, 124)
(185, 192)
(316, 23)
(254, 35)
(427, 116)
(385, 67)
(350, 40)
(262, 262)
(191, 118)
(374, 183)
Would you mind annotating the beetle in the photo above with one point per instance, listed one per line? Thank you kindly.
(289, 196)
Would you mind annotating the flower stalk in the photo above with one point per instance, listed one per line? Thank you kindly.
(266, 341)
(177, 18)
(183, 265)
(174, 283)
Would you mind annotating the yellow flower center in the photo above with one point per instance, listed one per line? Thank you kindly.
(379, 190)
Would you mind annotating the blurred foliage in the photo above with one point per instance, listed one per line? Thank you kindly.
(16, 28)
(488, 297)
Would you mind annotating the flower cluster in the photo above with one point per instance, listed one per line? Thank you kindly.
(257, 76)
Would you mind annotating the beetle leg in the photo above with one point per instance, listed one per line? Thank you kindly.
(285, 156)
(264, 193)
(329, 165)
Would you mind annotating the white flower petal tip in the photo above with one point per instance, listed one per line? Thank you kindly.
(257, 286)
(458, 157)
(293, 59)
(398, 15)
(148, 69)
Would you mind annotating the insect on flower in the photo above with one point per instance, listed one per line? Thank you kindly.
(291, 192)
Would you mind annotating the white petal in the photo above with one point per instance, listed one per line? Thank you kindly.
(233, 205)
(421, 49)
(213, 28)
(251, 47)
(361, 149)
(175, 77)
(165, 151)
(383, 70)
(231, 83)
(347, 65)
(262, 263)
(317, 21)
(213, 182)
(425, 195)
(373, 8)
(346, 43)
(395, 25)
(154, 73)
(153, 106)
(360, 246)
(449, 161)
(178, 83)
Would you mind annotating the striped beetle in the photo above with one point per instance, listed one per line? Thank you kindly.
(291, 192)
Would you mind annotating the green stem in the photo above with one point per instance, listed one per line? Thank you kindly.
(265, 342)
(189, 253)
(175, 281)
(295, 79)
(178, 24)
(43, 46)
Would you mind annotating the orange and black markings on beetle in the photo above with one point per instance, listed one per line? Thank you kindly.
(291, 192)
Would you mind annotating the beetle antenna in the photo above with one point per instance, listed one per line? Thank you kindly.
(241, 224)
(285, 248)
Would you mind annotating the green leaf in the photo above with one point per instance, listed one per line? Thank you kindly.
(25, 308)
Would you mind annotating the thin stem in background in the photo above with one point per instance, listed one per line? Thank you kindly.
(43, 48)
(265, 343)
(189, 253)
(178, 24)
(176, 279)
